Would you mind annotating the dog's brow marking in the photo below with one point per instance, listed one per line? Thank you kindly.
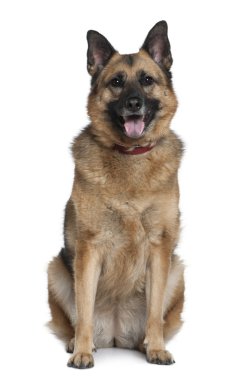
(128, 59)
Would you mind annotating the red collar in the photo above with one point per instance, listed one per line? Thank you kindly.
(135, 150)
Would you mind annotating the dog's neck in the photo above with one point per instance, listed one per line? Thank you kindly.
(133, 150)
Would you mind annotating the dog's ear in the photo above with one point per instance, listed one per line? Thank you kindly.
(99, 52)
(157, 45)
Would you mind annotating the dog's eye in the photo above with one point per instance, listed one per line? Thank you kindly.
(146, 80)
(117, 82)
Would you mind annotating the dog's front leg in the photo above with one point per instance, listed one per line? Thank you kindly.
(87, 271)
(156, 282)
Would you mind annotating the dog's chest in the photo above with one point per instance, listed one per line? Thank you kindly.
(127, 231)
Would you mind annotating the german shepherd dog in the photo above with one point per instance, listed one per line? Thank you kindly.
(117, 282)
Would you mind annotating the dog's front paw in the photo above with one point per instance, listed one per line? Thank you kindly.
(160, 357)
(81, 360)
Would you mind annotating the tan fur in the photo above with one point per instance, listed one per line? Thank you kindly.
(121, 227)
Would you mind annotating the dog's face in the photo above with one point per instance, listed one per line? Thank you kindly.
(132, 100)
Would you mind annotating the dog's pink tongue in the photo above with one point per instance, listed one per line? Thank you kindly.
(134, 127)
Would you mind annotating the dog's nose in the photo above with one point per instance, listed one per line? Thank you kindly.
(133, 104)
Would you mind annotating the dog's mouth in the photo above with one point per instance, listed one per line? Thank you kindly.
(134, 125)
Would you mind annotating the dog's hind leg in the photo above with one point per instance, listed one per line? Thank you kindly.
(174, 300)
(61, 302)
(173, 321)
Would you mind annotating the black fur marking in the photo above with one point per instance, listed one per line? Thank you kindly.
(168, 74)
(94, 78)
(115, 111)
(128, 59)
(66, 259)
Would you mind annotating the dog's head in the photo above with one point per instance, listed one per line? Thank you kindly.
(132, 100)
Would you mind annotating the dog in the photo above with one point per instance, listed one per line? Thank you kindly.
(118, 282)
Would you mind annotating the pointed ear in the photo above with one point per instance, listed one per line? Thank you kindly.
(157, 45)
(99, 52)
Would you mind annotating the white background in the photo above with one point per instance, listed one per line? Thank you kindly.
(43, 90)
